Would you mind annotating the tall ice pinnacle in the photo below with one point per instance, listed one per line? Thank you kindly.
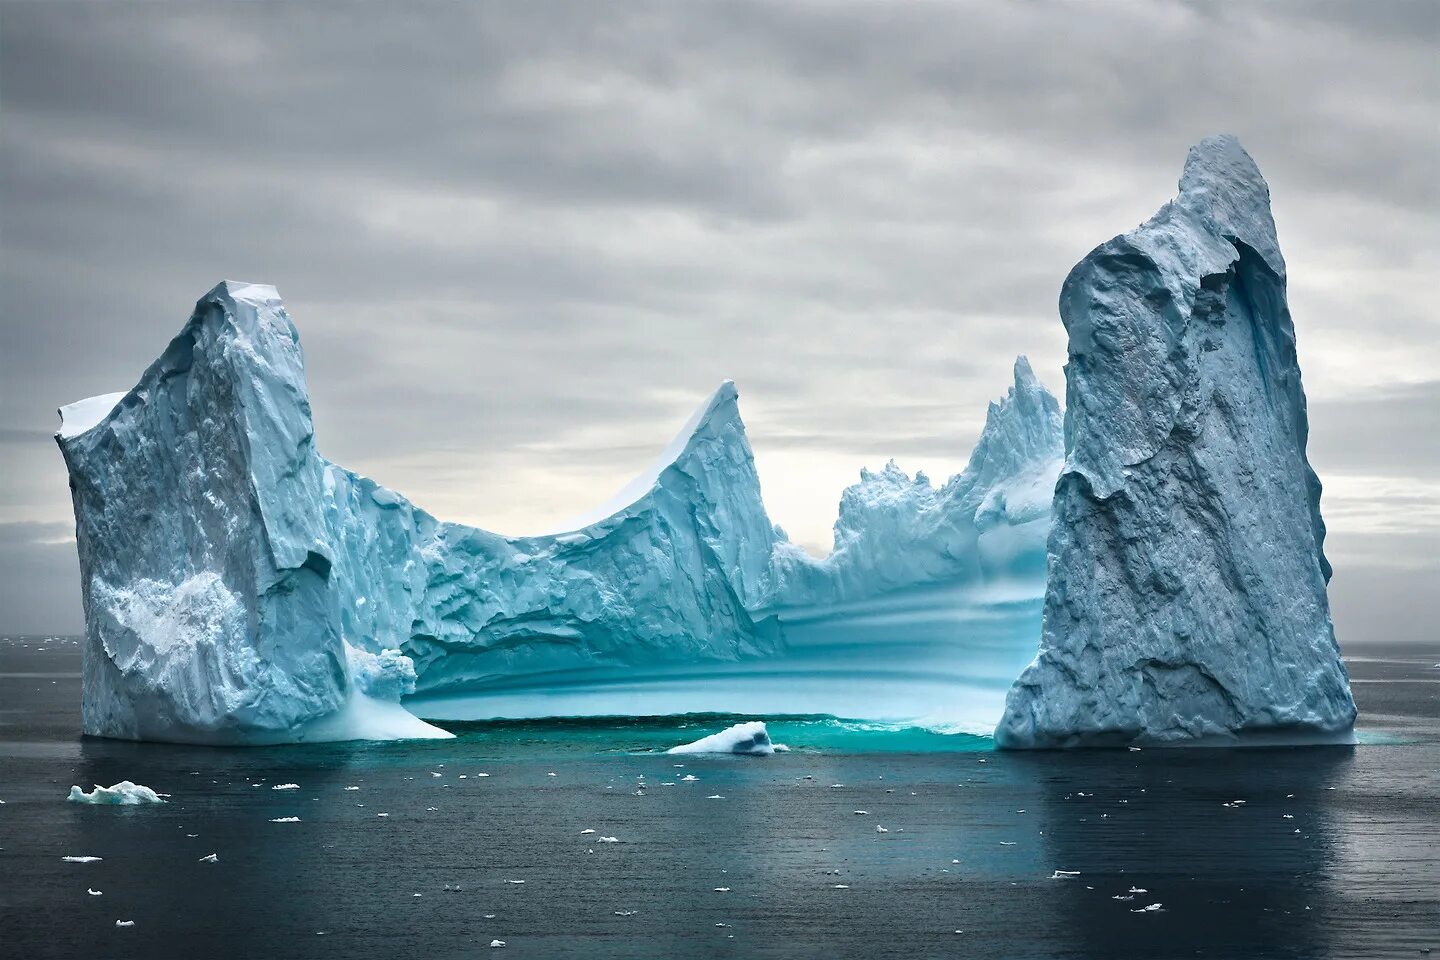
(1186, 586)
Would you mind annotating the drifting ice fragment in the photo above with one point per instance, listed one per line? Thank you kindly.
(81, 859)
(747, 738)
(210, 858)
(123, 793)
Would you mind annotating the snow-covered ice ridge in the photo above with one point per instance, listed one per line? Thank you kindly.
(1187, 585)
(987, 522)
(240, 588)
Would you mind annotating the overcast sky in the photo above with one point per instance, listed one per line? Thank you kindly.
(522, 241)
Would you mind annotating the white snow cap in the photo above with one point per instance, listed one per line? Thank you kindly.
(82, 415)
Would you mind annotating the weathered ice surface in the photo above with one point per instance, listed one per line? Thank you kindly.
(1186, 588)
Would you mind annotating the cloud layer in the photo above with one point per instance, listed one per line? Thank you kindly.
(521, 241)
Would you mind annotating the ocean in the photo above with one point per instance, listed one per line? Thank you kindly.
(862, 841)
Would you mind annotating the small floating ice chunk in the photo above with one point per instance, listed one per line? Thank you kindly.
(722, 889)
(880, 829)
(714, 796)
(514, 881)
(94, 893)
(124, 793)
(81, 859)
(609, 839)
(286, 786)
(285, 820)
(211, 858)
(124, 923)
(625, 913)
(1064, 874)
(747, 738)
(497, 943)
(352, 788)
(1149, 908)
(585, 831)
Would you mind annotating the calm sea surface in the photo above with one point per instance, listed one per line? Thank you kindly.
(416, 850)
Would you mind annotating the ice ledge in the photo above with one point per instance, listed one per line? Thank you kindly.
(84, 415)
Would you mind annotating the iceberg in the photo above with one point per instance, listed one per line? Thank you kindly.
(748, 738)
(1186, 594)
(123, 794)
(206, 561)
(239, 588)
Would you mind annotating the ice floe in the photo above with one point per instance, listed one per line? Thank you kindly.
(748, 738)
(123, 793)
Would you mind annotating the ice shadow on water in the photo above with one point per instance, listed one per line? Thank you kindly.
(1233, 844)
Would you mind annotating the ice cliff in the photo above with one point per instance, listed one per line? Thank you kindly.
(1186, 594)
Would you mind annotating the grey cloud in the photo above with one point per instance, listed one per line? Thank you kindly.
(1392, 430)
(522, 241)
(35, 532)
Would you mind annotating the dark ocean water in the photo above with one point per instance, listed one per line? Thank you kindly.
(1335, 851)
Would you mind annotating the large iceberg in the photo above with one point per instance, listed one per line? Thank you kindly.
(240, 588)
(1186, 592)
(213, 613)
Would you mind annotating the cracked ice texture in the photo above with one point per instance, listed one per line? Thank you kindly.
(1186, 587)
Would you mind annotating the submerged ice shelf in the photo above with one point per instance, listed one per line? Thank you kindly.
(240, 588)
